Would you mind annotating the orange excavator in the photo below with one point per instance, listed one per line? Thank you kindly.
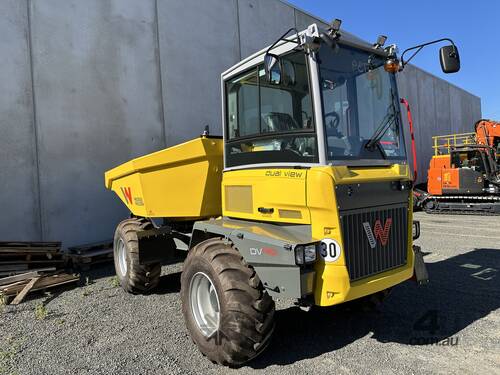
(464, 173)
(488, 133)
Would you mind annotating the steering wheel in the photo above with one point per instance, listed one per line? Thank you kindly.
(334, 123)
(289, 145)
(308, 119)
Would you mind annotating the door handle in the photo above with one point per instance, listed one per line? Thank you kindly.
(266, 210)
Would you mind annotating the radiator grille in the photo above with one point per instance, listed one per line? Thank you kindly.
(365, 233)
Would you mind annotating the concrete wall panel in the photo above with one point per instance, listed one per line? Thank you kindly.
(262, 22)
(438, 108)
(455, 108)
(98, 105)
(20, 219)
(193, 56)
(408, 89)
(303, 20)
(426, 116)
(120, 78)
(467, 123)
(442, 108)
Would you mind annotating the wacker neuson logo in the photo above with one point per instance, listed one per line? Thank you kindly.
(378, 233)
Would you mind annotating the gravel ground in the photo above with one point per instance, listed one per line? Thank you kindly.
(99, 329)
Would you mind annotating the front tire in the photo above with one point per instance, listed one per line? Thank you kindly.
(134, 277)
(227, 311)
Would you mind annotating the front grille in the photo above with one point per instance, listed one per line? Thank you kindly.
(372, 247)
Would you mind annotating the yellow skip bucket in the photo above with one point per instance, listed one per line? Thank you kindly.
(181, 182)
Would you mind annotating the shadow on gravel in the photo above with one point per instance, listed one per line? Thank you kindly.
(170, 283)
(98, 271)
(463, 289)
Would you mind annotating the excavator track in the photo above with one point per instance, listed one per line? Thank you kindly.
(462, 205)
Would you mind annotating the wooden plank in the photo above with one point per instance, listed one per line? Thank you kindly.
(24, 257)
(45, 282)
(84, 249)
(21, 277)
(96, 254)
(45, 269)
(29, 244)
(13, 285)
(92, 261)
(26, 262)
(93, 253)
(19, 298)
(54, 282)
(22, 250)
(14, 267)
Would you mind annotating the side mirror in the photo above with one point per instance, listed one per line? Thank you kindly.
(449, 58)
(272, 66)
(448, 55)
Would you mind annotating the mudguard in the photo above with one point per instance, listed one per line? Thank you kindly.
(269, 248)
(420, 270)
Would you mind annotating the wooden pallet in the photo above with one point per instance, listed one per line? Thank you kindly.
(26, 267)
(90, 254)
(6, 274)
(20, 285)
(20, 257)
(29, 247)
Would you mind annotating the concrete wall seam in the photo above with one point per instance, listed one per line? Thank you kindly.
(35, 124)
(160, 78)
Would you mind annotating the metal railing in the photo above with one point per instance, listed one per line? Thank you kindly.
(444, 143)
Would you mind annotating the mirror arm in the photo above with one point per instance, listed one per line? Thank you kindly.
(283, 38)
(420, 47)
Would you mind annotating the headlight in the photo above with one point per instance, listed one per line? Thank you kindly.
(305, 254)
(415, 229)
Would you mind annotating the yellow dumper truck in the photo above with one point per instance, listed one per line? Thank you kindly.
(306, 196)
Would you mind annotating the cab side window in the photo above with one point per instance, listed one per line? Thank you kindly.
(269, 122)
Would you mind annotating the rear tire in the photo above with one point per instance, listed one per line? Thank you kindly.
(240, 315)
(134, 277)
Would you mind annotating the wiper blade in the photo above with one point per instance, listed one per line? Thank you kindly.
(380, 131)
(389, 118)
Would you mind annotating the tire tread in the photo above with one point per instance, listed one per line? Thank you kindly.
(141, 279)
(250, 309)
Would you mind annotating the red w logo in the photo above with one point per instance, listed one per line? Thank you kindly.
(127, 193)
(382, 234)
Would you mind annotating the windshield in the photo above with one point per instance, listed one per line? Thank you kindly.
(360, 106)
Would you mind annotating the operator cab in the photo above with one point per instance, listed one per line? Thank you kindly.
(496, 147)
(471, 158)
(321, 97)
(476, 166)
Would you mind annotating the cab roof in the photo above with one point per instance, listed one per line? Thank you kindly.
(315, 31)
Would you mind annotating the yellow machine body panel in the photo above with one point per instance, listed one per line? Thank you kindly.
(275, 195)
(306, 196)
(180, 182)
(332, 284)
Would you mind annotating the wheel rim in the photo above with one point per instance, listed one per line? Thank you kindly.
(204, 304)
(121, 254)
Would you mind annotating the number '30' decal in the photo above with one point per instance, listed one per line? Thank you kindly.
(329, 250)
